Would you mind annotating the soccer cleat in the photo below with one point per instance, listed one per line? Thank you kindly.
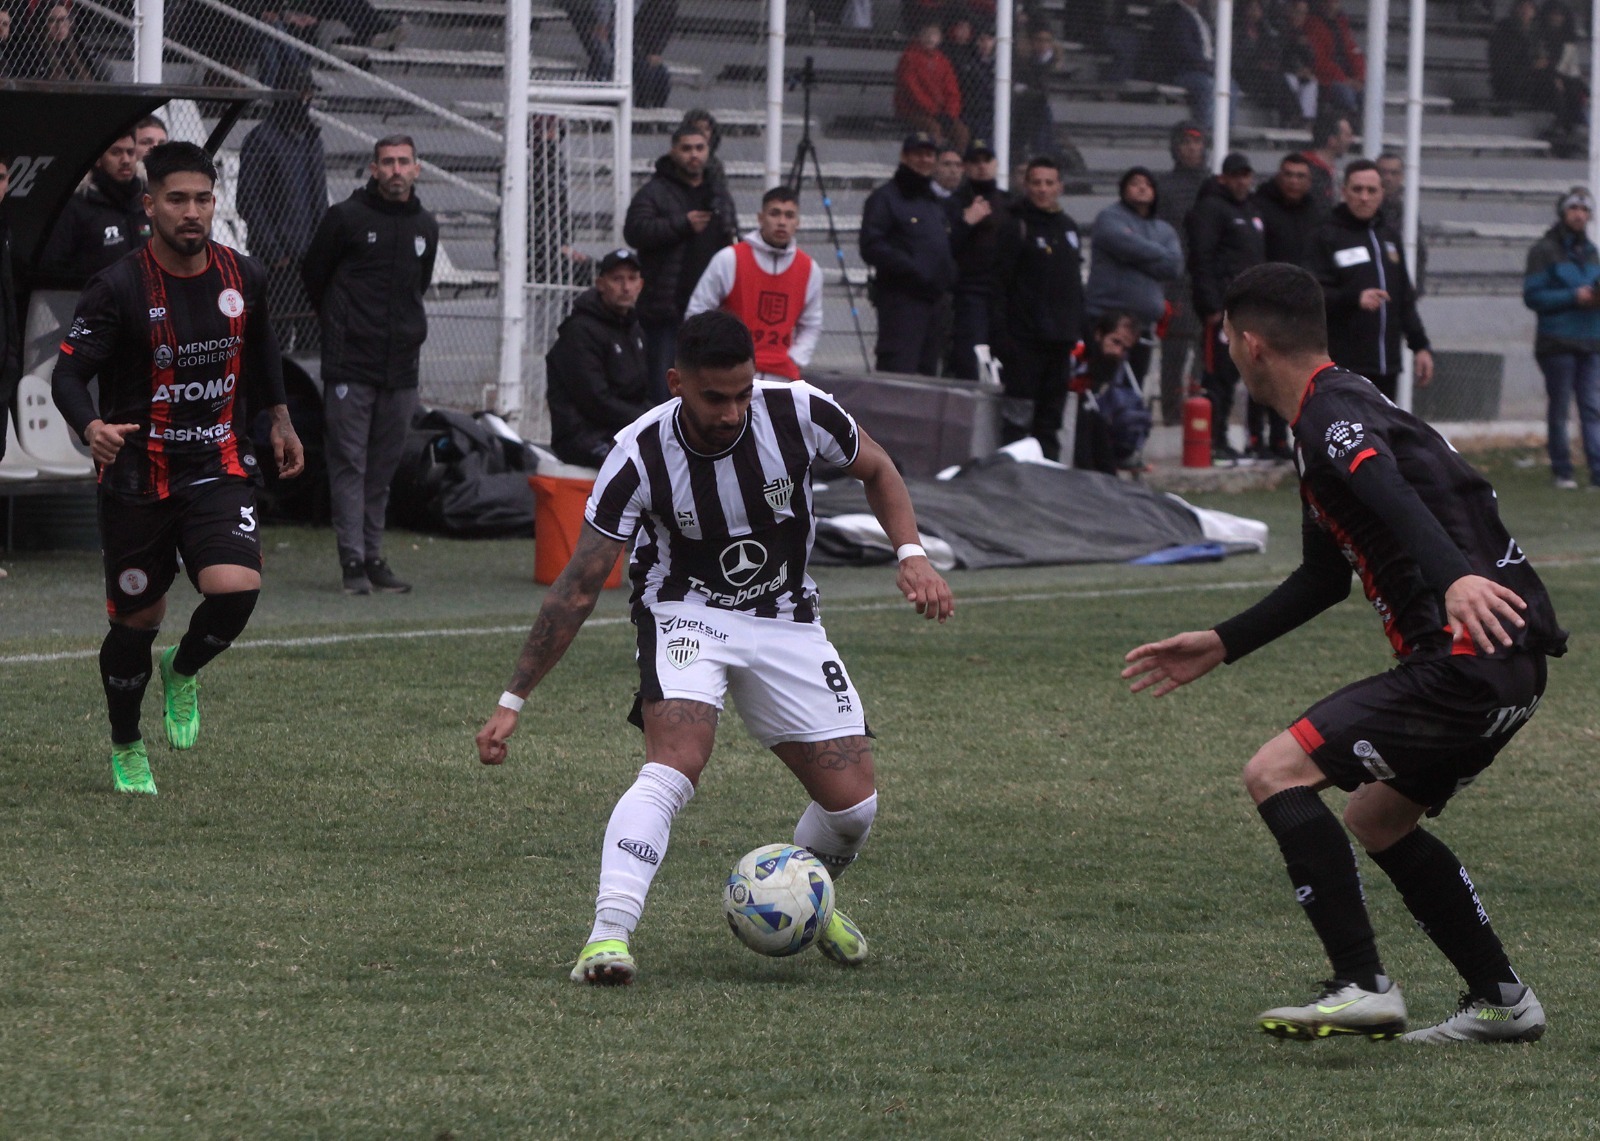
(382, 578)
(354, 573)
(1565, 483)
(1479, 1020)
(842, 941)
(130, 769)
(605, 962)
(181, 698)
(1341, 1008)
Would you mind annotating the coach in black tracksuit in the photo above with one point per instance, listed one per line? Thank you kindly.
(1358, 259)
(1036, 318)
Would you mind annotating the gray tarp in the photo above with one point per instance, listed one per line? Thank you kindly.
(998, 512)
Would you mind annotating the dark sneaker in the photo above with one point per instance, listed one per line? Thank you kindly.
(355, 577)
(1224, 455)
(382, 578)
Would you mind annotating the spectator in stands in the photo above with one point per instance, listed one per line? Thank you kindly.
(927, 95)
(1519, 71)
(1135, 255)
(1392, 170)
(100, 223)
(1331, 139)
(552, 257)
(949, 168)
(1298, 60)
(977, 211)
(48, 48)
(591, 20)
(367, 269)
(1036, 315)
(147, 132)
(1568, 94)
(706, 123)
(771, 285)
(1562, 285)
(1176, 191)
(1357, 257)
(1290, 217)
(905, 238)
(972, 56)
(1180, 49)
(5, 71)
(1033, 123)
(676, 221)
(596, 379)
(652, 30)
(1340, 68)
(1225, 239)
(367, 26)
(1258, 68)
(283, 194)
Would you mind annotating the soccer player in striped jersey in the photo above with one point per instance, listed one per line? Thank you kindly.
(176, 332)
(713, 490)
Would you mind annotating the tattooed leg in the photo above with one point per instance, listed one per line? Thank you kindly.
(836, 773)
(679, 733)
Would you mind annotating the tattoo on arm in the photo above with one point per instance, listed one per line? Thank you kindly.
(838, 754)
(566, 607)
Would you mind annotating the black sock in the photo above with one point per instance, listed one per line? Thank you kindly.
(124, 673)
(1322, 868)
(1440, 896)
(217, 621)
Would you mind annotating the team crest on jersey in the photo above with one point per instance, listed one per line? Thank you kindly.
(133, 581)
(778, 492)
(741, 561)
(1343, 437)
(772, 308)
(682, 651)
(163, 356)
(420, 244)
(231, 302)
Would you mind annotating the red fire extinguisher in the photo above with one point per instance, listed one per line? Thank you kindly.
(1196, 430)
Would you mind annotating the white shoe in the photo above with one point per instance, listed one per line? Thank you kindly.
(1342, 1008)
(1479, 1020)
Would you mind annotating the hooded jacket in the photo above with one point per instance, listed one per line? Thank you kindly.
(1038, 280)
(671, 255)
(1225, 239)
(1349, 256)
(1134, 258)
(925, 83)
(717, 282)
(1290, 226)
(97, 227)
(369, 264)
(974, 246)
(905, 237)
(1559, 264)
(595, 380)
(283, 184)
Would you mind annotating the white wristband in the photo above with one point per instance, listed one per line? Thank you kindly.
(511, 701)
(908, 551)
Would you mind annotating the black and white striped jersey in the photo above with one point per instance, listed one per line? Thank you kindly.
(731, 530)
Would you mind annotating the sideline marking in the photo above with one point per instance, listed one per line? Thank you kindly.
(483, 631)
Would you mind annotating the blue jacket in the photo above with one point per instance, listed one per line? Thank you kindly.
(905, 238)
(1133, 259)
(283, 185)
(1558, 264)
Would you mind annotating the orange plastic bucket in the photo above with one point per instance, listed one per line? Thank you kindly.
(557, 522)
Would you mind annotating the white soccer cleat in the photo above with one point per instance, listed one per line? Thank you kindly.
(1479, 1020)
(1342, 1008)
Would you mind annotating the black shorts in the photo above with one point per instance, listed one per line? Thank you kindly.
(1426, 730)
(212, 524)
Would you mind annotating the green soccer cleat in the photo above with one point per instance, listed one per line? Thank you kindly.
(1342, 1008)
(130, 769)
(842, 941)
(181, 696)
(605, 962)
(1479, 1020)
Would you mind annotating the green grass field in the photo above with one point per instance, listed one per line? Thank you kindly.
(334, 922)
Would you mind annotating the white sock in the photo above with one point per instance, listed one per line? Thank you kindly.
(836, 838)
(635, 845)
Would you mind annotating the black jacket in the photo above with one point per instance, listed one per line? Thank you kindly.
(1038, 279)
(10, 327)
(595, 380)
(96, 228)
(1349, 256)
(905, 237)
(1289, 227)
(671, 255)
(369, 264)
(974, 246)
(1225, 239)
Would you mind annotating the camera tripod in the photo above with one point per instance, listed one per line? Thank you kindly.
(804, 149)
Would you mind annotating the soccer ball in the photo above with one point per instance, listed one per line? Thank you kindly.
(778, 899)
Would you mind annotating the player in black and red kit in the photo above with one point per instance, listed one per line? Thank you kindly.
(1471, 624)
(177, 333)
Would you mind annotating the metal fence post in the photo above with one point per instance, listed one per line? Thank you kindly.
(777, 19)
(1004, 37)
(514, 213)
(1222, 86)
(1377, 77)
(149, 24)
(1413, 192)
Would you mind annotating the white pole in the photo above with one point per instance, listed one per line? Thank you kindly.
(1222, 80)
(777, 18)
(514, 207)
(149, 22)
(1377, 77)
(1594, 136)
(622, 162)
(1004, 37)
(1413, 192)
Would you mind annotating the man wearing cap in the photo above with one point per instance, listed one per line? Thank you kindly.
(595, 375)
(1226, 237)
(771, 285)
(905, 238)
(1135, 255)
(976, 209)
(1176, 191)
(1562, 285)
(1357, 257)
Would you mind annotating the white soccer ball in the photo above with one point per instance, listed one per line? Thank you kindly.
(778, 899)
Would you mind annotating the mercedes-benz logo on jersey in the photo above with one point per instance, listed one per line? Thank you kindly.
(742, 560)
(163, 356)
(778, 492)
